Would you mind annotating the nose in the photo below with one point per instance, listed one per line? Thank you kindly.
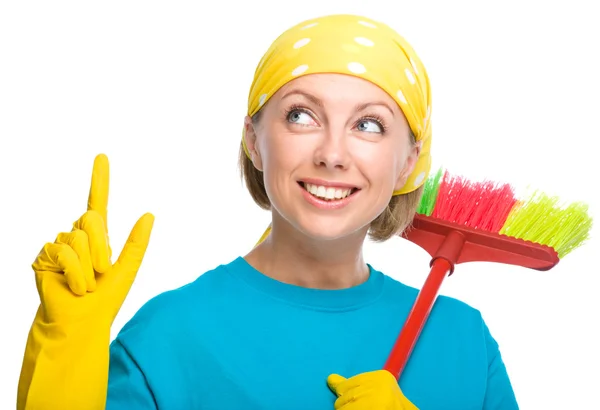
(332, 151)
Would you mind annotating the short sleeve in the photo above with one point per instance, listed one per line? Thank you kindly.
(127, 386)
(499, 392)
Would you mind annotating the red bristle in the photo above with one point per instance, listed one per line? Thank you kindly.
(480, 205)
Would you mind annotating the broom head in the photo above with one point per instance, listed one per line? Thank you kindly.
(494, 224)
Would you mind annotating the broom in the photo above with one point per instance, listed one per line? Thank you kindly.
(460, 221)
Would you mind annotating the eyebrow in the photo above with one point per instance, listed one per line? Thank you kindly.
(319, 103)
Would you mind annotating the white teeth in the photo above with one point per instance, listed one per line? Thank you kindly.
(328, 193)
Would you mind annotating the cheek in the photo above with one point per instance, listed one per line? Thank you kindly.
(283, 157)
(380, 163)
(283, 152)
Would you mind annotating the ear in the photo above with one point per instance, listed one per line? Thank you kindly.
(250, 141)
(409, 165)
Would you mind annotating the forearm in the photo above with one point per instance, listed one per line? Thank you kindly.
(64, 367)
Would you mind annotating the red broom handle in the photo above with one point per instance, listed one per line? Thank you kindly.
(442, 266)
(417, 318)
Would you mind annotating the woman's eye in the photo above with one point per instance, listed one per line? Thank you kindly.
(300, 117)
(369, 126)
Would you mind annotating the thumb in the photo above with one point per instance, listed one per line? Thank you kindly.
(334, 381)
(134, 250)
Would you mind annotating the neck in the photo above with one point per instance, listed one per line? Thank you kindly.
(291, 257)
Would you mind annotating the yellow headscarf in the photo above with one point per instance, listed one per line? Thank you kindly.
(357, 46)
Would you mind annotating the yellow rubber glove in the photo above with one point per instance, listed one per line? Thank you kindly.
(66, 359)
(376, 390)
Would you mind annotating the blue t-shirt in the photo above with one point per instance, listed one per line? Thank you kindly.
(235, 339)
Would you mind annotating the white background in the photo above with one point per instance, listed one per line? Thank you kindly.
(161, 89)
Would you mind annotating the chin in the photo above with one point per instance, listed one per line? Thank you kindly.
(330, 228)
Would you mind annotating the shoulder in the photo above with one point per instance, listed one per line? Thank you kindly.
(176, 308)
(447, 311)
(460, 325)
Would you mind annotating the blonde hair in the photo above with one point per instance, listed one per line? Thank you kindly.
(396, 217)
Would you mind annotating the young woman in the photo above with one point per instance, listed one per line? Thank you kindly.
(336, 147)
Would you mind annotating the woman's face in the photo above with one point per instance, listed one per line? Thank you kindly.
(332, 148)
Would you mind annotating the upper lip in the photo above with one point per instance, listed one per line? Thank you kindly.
(333, 184)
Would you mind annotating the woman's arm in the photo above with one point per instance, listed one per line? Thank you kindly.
(499, 393)
(127, 385)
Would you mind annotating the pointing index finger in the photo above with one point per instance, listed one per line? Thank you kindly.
(98, 198)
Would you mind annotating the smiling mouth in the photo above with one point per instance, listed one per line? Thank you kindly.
(327, 193)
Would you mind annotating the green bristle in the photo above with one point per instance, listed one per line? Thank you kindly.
(430, 192)
(542, 219)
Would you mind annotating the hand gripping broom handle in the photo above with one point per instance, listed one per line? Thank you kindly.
(442, 265)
